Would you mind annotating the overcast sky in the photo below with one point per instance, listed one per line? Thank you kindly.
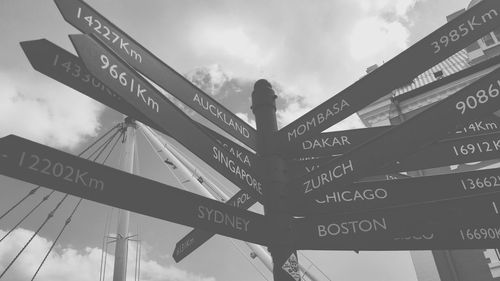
(310, 50)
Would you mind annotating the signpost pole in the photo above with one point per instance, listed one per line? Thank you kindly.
(121, 247)
(285, 263)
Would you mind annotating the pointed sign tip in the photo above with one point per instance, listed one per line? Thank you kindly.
(35, 51)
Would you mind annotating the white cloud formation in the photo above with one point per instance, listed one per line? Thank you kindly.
(399, 8)
(210, 78)
(382, 32)
(46, 112)
(77, 265)
(377, 39)
(231, 41)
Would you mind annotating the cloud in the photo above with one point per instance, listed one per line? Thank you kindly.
(65, 263)
(209, 79)
(46, 112)
(382, 31)
(377, 39)
(397, 8)
(231, 41)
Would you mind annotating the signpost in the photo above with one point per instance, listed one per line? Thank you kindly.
(402, 69)
(453, 224)
(369, 195)
(42, 165)
(61, 65)
(442, 153)
(144, 97)
(89, 21)
(281, 246)
(320, 183)
(475, 100)
(197, 237)
(340, 142)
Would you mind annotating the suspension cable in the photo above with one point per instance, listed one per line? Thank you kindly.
(136, 159)
(161, 159)
(99, 139)
(137, 257)
(31, 192)
(49, 216)
(106, 250)
(45, 198)
(314, 265)
(34, 190)
(195, 174)
(68, 220)
(100, 148)
(103, 244)
(112, 148)
(245, 256)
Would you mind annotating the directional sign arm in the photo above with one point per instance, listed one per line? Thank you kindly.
(59, 64)
(246, 156)
(197, 237)
(380, 194)
(442, 153)
(470, 103)
(340, 142)
(452, 224)
(42, 165)
(89, 21)
(135, 90)
(402, 69)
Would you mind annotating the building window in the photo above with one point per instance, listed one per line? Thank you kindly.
(438, 74)
(488, 40)
(497, 33)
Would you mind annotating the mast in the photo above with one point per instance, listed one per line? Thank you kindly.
(121, 247)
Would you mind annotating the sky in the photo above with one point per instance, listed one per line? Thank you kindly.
(308, 50)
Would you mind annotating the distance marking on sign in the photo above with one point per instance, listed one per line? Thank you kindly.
(45, 166)
(340, 142)
(385, 229)
(89, 21)
(61, 65)
(442, 153)
(401, 141)
(423, 55)
(479, 98)
(138, 92)
(378, 194)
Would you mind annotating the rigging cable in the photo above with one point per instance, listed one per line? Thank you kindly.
(45, 198)
(314, 265)
(50, 215)
(33, 191)
(103, 146)
(168, 166)
(244, 255)
(195, 173)
(137, 256)
(68, 220)
(139, 271)
(103, 244)
(107, 243)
